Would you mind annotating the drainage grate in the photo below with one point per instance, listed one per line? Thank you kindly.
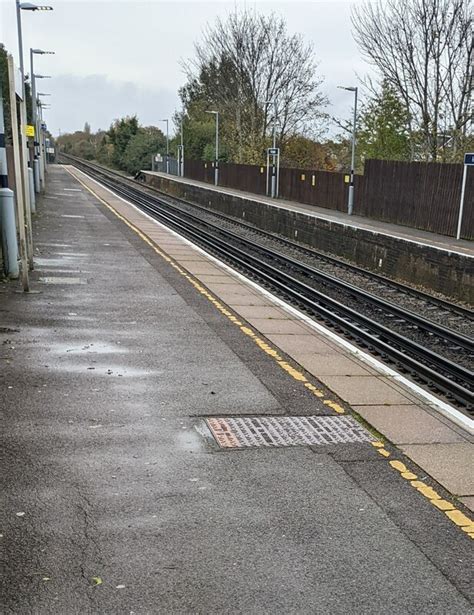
(274, 431)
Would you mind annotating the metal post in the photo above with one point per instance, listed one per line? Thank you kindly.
(9, 239)
(31, 187)
(268, 171)
(7, 208)
(24, 144)
(273, 157)
(182, 150)
(216, 164)
(277, 179)
(461, 205)
(167, 147)
(37, 175)
(42, 157)
(350, 203)
(20, 203)
(37, 182)
(3, 150)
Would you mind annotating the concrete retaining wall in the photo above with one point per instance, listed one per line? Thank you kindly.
(416, 264)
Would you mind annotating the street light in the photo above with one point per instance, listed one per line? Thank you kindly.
(216, 162)
(350, 201)
(167, 146)
(26, 6)
(29, 6)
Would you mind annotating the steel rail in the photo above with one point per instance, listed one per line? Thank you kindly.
(371, 333)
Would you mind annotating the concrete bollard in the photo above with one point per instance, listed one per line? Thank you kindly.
(31, 186)
(36, 173)
(9, 238)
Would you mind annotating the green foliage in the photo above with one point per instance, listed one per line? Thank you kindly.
(142, 145)
(383, 128)
(120, 133)
(5, 91)
(126, 145)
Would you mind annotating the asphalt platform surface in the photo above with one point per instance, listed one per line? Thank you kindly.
(114, 498)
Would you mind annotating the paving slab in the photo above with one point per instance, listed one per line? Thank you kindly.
(278, 326)
(363, 390)
(332, 365)
(468, 501)
(408, 424)
(449, 464)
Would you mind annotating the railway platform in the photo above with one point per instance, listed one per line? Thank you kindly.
(179, 441)
(432, 240)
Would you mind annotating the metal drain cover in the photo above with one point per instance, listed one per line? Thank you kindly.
(274, 431)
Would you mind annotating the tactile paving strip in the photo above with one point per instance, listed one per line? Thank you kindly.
(276, 431)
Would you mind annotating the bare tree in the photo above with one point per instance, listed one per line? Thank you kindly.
(424, 49)
(247, 61)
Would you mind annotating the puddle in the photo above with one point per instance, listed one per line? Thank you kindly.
(104, 370)
(52, 262)
(87, 347)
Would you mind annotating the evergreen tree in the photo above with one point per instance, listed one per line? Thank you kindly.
(383, 128)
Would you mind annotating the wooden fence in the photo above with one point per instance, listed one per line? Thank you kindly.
(416, 194)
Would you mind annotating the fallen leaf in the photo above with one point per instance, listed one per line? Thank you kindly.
(96, 581)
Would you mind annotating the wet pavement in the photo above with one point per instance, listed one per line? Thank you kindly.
(116, 498)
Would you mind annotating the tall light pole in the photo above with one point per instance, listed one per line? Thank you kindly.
(167, 146)
(37, 162)
(42, 158)
(25, 6)
(216, 161)
(350, 201)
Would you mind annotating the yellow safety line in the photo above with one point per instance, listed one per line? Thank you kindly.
(455, 515)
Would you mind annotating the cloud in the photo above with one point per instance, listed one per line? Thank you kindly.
(98, 100)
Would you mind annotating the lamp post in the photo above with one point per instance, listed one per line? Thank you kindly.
(25, 6)
(167, 147)
(216, 162)
(350, 202)
(37, 162)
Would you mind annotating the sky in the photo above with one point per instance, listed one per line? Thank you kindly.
(115, 58)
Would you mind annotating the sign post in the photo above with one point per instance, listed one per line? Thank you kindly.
(273, 171)
(468, 162)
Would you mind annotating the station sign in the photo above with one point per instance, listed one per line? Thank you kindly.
(469, 159)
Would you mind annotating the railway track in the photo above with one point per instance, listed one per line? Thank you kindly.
(295, 281)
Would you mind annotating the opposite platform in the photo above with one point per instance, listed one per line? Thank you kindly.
(438, 263)
(117, 497)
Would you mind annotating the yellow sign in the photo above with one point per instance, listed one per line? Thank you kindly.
(29, 130)
(347, 179)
